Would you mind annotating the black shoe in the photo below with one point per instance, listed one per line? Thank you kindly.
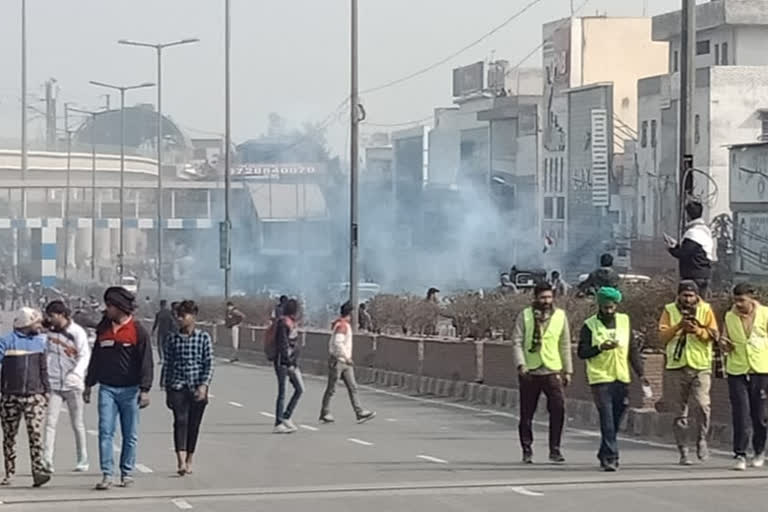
(527, 458)
(556, 457)
(40, 479)
(126, 481)
(611, 467)
(366, 416)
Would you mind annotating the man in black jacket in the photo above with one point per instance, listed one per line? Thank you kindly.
(122, 366)
(287, 367)
(695, 253)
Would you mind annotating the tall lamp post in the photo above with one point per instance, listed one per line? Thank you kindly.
(93, 184)
(227, 263)
(354, 100)
(159, 47)
(122, 89)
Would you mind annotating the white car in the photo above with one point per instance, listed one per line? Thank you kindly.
(130, 283)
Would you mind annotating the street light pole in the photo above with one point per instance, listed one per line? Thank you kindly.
(227, 145)
(68, 190)
(17, 252)
(353, 174)
(159, 47)
(122, 89)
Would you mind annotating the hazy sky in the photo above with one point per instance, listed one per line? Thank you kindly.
(288, 56)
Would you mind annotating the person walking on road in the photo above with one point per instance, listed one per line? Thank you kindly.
(164, 325)
(607, 346)
(122, 365)
(287, 367)
(232, 320)
(745, 343)
(341, 366)
(24, 386)
(68, 356)
(541, 346)
(688, 328)
(188, 370)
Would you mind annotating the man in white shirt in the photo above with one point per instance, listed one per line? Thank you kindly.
(341, 366)
(68, 354)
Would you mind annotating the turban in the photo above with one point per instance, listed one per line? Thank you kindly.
(121, 298)
(607, 294)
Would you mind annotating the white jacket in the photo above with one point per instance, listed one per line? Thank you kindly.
(68, 358)
(340, 343)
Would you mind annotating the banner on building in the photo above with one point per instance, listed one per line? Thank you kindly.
(600, 187)
(468, 79)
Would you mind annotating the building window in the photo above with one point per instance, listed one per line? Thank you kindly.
(642, 209)
(702, 47)
(644, 134)
(724, 54)
(675, 61)
(717, 55)
(697, 128)
(653, 133)
(560, 208)
(548, 208)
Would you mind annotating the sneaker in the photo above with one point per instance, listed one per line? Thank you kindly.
(40, 479)
(291, 425)
(758, 461)
(105, 484)
(126, 481)
(48, 467)
(366, 416)
(327, 418)
(611, 467)
(556, 457)
(685, 460)
(740, 464)
(281, 428)
(82, 467)
(702, 451)
(527, 458)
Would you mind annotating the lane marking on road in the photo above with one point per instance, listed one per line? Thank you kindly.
(144, 469)
(432, 459)
(310, 428)
(235, 404)
(181, 504)
(267, 414)
(359, 441)
(391, 420)
(525, 491)
(92, 432)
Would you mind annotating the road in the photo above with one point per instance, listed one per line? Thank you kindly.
(416, 455)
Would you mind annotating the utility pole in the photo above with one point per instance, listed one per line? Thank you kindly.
(23, 93)
(68, 189)
(226, 233)
(687, 91)
(354, 100)
(50, 116)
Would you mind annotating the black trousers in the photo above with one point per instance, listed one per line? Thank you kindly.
(531, 387)
(748, 402)
(187, 417)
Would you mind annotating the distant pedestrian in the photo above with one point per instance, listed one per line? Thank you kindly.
(542, 355)
(24, 387)
(278, 312)
(164, 324)
(364, 320)
(341, 366)
(688, 328)
(433, 295)
(603, 277)
(607, 346)
(695, 252)
(559, 286)
(287, 367)
(232, 320)
(121, 364)
(188, 370)
(15, 297)
(506, 285)
(68, 355)
(745, 342)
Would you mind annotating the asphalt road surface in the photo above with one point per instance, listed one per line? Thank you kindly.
(418, 454)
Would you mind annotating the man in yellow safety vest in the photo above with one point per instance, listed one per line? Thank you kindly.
(607, 345)
(745, 343)
(542, 355)
(688, 328)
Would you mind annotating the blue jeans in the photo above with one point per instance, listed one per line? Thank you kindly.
(611, 400)
(125, 403)
(294, 375)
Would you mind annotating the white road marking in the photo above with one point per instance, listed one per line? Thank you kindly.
(267, 414)
(432, 459)
(92, 432)
(181, 504)
(235, 404)
(310, 428)
(359, 441)
(391, 420)
(211, 395)
(525, 491)
(143, 469)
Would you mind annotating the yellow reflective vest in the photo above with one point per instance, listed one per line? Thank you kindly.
(611, 365)
(548, 355)
(695, 353)
(749, 353)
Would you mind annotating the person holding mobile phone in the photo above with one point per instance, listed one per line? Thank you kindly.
(607, 345)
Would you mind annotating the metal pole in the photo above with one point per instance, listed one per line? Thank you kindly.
(227, 145)
(159, 228)
(353, 174)
(93, 196)
(121, 254)
(67, 191)
(687, 91)
(23, 89)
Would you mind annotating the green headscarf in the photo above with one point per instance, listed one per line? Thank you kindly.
(608, 294)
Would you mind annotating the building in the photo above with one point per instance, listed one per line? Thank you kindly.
(731, 88)
(580, 52)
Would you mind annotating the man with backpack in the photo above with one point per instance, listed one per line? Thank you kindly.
(286, 361)
(340, 366)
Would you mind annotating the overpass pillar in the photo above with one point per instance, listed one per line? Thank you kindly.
(83, 247)
(43, 255)
(103, 252)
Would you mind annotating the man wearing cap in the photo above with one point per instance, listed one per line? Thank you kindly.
(688, 328)
(122, 366)
(24, 387)
(607, 346)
